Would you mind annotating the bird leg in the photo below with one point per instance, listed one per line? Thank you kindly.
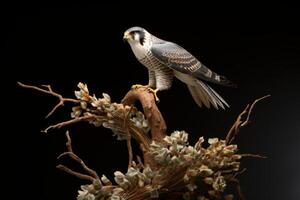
(149, 88)
(154, 91)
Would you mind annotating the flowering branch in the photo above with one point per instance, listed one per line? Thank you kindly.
(171, 168)
(100, 111)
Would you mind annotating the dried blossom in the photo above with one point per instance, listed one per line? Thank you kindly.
(177, 166)
(109, 115)
(206, 164)
(85, 194)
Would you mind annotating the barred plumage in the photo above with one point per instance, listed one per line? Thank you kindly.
(162, 76)
(165, 60)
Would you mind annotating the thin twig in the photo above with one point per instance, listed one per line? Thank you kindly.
(77, 158)
(65, 123)
(130, 153)
(234, 130)
(128, 138)
(69, 142)
(239, 172)
(251, 108)
(49, 90)
(235, 127)
(77, 174)
(252, 155)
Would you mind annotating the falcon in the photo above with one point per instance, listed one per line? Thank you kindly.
(166, 60)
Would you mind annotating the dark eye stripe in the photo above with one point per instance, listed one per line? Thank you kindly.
(141, 34)
(138, 32)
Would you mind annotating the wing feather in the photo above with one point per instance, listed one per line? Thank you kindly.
(179, 59)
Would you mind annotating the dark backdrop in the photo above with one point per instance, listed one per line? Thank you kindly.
(256, 47)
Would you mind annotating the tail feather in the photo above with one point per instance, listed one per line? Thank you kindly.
(195, 95)
(213, 99)
(199, 96)
(218, 96)
(205, 95)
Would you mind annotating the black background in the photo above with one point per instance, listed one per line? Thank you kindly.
(257, 47)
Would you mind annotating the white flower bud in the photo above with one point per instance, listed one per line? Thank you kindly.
(213, 140)
(106, 97)
(105, 180)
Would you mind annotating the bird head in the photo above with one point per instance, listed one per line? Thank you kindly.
(135, 35)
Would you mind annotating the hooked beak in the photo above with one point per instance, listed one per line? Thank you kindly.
(126, 36)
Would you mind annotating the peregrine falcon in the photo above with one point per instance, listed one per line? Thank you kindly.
(165, 60)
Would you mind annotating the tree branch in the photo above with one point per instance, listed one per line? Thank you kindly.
(251, 108)
(49, 90)
(65, 123)
(77, 174)
(170, 182)
(252, 155)
(234, 130)
(92, 174)
(156, 121)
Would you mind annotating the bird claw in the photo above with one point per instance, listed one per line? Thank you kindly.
(148, 87)
(154, 91)
(136, 86)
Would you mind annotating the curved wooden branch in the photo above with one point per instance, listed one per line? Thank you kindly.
(65, 123)
(234, 130)
(91, 174)
(156, 121)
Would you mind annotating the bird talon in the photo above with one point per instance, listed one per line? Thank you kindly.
(154, 91)
(136, 86)
(148, 87)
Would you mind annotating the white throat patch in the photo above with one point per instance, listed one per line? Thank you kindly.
(140, 51)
